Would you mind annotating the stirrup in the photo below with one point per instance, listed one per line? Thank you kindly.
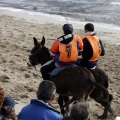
(93, 68)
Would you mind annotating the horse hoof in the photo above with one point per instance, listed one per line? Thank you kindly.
(63, 112)
(102, 117)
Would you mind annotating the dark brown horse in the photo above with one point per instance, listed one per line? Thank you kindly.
(77, 81)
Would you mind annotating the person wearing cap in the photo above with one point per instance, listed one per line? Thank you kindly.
(8, 110)
(41, 108)
(65, 50)
(93, 48)
(8, 101)
(7, 104)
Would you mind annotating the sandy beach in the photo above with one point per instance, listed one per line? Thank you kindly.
(17, 30)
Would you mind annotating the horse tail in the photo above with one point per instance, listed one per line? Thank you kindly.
(106, 83)
(105, 91)
(98, 86)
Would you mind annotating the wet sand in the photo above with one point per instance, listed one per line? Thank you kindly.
(83, 10)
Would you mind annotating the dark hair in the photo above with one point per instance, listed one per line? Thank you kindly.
(45, 90)
(80, 111)
(67, 28)
(67, 118)
(89, 27)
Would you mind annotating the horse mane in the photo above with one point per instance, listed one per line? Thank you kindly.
(46, 53)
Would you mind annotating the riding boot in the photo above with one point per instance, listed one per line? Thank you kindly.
(45, 70)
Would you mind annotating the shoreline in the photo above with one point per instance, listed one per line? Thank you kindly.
(56, 19)
(43, 18)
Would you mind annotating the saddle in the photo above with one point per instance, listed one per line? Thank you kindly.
(57, 70)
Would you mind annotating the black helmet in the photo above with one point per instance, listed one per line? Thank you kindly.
(67, 28)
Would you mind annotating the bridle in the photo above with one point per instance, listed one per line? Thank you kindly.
(36, 54)
(36, 58)
(39, 59)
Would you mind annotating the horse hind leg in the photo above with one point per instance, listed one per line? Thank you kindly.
(88, 92)
(106, 105)
(66, 100)
(110, 100)
(67, 104)
(61, 102)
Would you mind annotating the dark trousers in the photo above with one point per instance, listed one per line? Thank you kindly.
(84, 63)
(45, 70)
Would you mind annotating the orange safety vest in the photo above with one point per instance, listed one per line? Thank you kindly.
(68, 52)
(94, 41)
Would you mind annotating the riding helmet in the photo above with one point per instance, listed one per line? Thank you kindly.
(67, 28)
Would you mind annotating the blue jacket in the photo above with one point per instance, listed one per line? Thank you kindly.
(38, 110)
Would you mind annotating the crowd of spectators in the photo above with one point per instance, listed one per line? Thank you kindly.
(41, 107)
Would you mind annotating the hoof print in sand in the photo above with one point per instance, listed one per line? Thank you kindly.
(4, 78)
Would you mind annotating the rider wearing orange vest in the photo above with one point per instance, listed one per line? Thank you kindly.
(92, 49)
(64, 50)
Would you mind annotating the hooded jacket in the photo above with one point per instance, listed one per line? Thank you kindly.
(66, 48)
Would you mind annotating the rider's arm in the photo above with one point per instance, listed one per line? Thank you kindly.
(54, 48)
(102, 47)
(80, 44)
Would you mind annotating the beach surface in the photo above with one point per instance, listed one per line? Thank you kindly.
(17, 30)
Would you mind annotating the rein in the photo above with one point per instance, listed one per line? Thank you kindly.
(37, 72)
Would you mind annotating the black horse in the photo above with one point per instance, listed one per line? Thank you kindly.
(77, 81)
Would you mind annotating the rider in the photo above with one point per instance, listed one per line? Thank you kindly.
(92, 49)
(64, 50)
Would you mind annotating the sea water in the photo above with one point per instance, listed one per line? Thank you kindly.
(105, 13)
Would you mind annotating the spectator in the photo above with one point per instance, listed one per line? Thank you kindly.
(41, 108)
(9, 113)
(1, 116)
(1, 102)
(79, 111)
(8, 101)
(7, 104)
(67, 118)
(1, 96)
